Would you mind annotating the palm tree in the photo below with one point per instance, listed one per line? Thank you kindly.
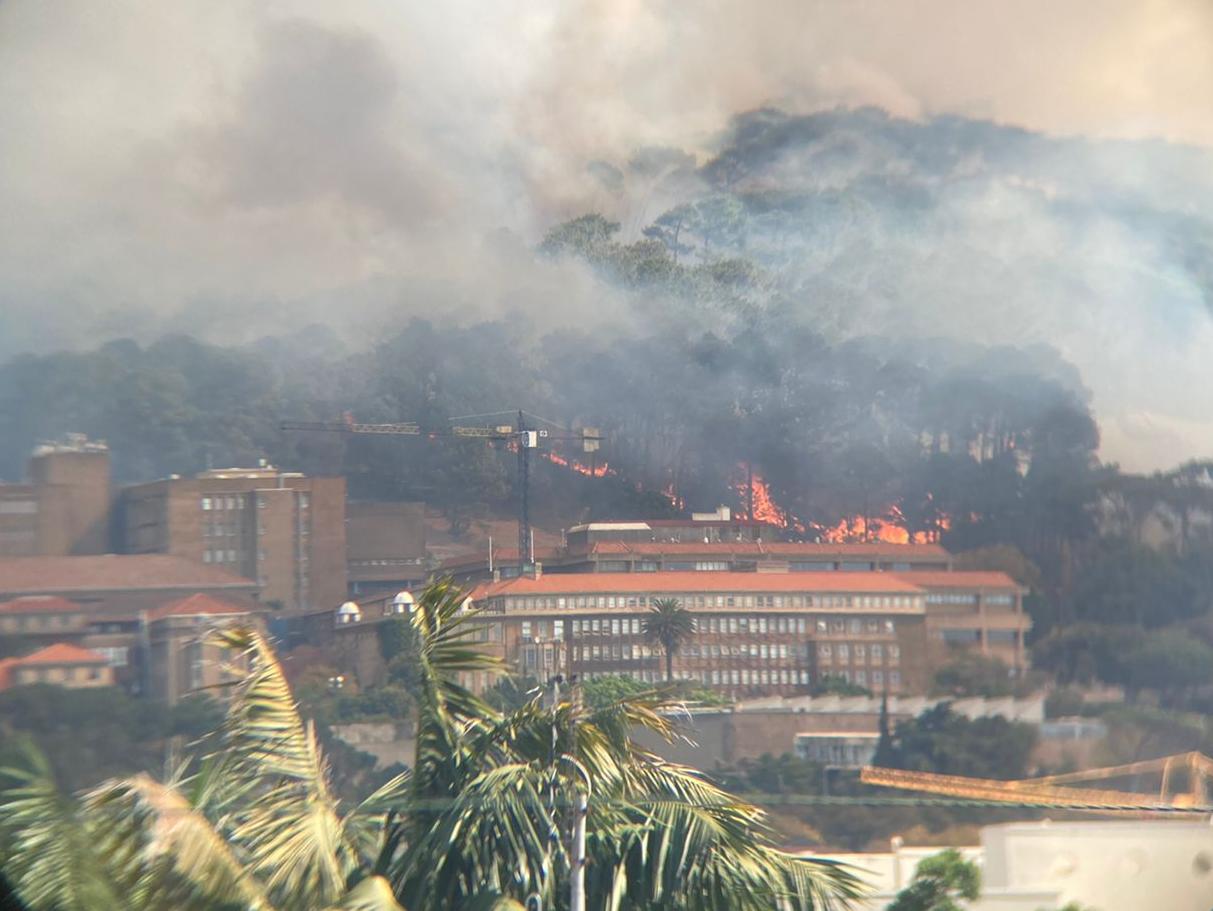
(669, 625)
(478, 823)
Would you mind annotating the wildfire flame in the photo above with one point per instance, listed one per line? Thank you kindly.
(888, 526)
(590, 471)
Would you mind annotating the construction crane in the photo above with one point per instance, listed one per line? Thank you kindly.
(522, 438)
(1059, 791)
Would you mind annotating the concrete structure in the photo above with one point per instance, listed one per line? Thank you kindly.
(64, 508)
(584, 553)
(981, 611)
(283, 529)
(1121, 865)
(385, 546)
(61, 664)
(101, 602)
(182, 658)
(775, 725)
(757, 633)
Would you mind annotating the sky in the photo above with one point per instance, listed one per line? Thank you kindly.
(235, 167)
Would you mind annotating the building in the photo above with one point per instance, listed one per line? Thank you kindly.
(979, 611)
(776, 725)
(283, 529)
(64, 507)
(61, 664)
(182, 656)
(385, 546)
(99, 603)
(1112, 865)
(758, 633)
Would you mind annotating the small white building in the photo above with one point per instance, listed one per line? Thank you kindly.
(1116, 865)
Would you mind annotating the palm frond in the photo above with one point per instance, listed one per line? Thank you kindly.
(372, 894)
(46, 845)
(154, 826)
(292, 832)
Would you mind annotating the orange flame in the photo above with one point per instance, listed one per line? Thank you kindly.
(590, 471)
(888, 528)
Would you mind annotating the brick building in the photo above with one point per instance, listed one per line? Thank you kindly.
(102, 603)
(385, 546)
(283, 529)
(64, 506)
(181, 655)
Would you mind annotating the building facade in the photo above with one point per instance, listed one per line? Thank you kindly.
(60, 664)
(385, 546)
(64, 506)
(283, 529)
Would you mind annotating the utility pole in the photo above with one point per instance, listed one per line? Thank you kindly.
(526, 557)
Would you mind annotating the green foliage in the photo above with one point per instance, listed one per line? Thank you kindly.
(969, 673)
(833, 684)
(939, 740)
(609, 689)
(254, 823)
(940, 883)
(91, 734)
(669, 625)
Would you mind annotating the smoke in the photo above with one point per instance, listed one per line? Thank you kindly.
(239, 168)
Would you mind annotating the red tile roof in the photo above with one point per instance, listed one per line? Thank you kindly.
(40, 604)
(194, 606)
(112, 572)
(963, 579)
(60, 653)
(594, 583)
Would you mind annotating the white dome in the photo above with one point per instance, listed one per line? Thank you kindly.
(402, 603)
(349, 612)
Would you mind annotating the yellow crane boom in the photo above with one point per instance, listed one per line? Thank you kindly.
(1054, 790)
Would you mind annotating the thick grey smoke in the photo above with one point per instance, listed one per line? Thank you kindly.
(232, 168)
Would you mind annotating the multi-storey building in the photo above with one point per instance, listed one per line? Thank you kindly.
(102, 603)
(283, 529)
(757, 633)
(385, 546)
(182, 655)
(980, 611)
(64, 507)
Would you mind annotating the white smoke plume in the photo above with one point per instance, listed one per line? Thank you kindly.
(234, 168)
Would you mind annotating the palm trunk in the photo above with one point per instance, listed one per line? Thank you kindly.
(669, 666)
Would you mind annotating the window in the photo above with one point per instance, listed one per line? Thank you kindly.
(206, 504)
(894, 678)
(860, 653)
(861, 678)
(825, 653)
(894, 655)
(844, 652)
(800, 625)
(877, 652)
(877, 678)
(526, 629)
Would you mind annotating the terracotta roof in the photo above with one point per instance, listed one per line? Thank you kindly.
(593, 583)
(194, 606)
(502, 555)
(40, 604)
(60, 653)
(112, 572)
(962, 579)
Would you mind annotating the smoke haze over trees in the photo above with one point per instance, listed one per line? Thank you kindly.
(239, 170)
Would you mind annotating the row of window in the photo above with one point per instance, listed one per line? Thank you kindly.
(34, 622)
(237, 502)
(704, 601)
(714, 625)
(954, 598)
(220, 556)
(970, 636)
(861, 652)
(628, 652)
(863, 677)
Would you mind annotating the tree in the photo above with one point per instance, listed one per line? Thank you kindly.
(939, 740)
(669, 625)
(970, 673)
(939, 883)
(475, 823)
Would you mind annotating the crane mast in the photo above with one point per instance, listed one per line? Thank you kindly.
(521, 437)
